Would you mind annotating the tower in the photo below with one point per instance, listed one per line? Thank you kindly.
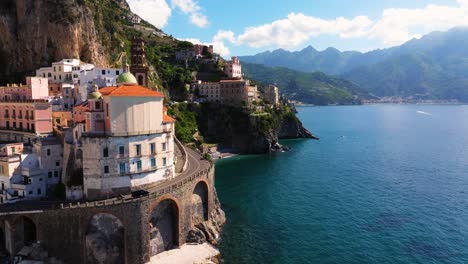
(139, 66)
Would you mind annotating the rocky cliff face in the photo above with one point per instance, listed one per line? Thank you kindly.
(34, 33)
(249, 134)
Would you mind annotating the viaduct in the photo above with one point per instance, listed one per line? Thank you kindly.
(119, 230)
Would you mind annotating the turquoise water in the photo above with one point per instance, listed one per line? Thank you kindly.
(385, 184)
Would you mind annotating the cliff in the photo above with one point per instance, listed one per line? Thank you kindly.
(238, 128)
(34, 33)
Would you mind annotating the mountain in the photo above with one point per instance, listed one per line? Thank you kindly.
(434, 67)
(311, 88)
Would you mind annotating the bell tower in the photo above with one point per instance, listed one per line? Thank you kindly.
(139, 66)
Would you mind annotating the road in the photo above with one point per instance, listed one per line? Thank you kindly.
(195, 165)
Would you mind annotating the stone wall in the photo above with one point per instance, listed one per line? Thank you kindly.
(120, 231)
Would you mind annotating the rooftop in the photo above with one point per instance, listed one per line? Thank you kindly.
(129, 90)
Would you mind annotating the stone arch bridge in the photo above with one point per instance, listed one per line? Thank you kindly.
(120, 230)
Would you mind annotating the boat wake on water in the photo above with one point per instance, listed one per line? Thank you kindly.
(423, 113)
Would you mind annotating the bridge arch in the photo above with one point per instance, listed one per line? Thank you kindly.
(26, 230)
(105, 239)
(199, 202)
(164, 225)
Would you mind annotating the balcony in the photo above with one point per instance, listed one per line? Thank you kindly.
(30, 172)
(20, 116)
(6, 116)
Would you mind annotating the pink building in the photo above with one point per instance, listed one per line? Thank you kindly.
(31, 116)
(35, 88)
(233, 68)
(199, 49)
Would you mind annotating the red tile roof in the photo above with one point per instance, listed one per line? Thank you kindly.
(129, 90)
(168, 119)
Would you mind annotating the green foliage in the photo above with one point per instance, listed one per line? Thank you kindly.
(313, 88)
(186, 121)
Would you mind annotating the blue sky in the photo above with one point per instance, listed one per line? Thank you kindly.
(246, 27)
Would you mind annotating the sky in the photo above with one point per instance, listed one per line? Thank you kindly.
(247, 27)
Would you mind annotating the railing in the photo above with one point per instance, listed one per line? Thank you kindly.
(163, 190)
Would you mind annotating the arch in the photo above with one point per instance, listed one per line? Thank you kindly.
(2, 241)
(141, 80)
(199, 203)
(29, 231)
(105, 239)
(164, 226)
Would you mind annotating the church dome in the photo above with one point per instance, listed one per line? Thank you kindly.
(94, 96)
(126, 78)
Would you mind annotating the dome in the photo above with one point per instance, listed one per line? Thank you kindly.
(94, 96)
(126, 78)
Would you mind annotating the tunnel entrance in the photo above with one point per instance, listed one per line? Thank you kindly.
(200, 203)
(164, 227)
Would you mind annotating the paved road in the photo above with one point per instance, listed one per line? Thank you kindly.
(195, 165)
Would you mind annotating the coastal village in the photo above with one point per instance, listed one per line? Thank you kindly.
(77, 133)
(52, 126)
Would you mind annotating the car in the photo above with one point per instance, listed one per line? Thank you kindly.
(139, 193)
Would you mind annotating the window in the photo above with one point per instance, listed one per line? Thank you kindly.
(57, 163)
(164, 146)
(122, 168)
(117, 72)
(153, 148)
(138, 149)
(40, 179)
(13, 150)
(50, 174)
(39, 191)
(103, 72)
(153, 163)
(105, 152)
(98, 105)
(121, 151)
(106, 169)
(56, 174)
(164, 161)
(139, 165)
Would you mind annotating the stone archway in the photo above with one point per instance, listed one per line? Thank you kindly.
(105, 240)
(199, 203)
(164, 227)
(29, 231)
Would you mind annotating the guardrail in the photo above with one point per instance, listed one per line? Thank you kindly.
(163, 190)
(184, 152)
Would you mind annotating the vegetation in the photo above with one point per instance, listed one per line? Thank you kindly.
(186, 121)
(312, 88)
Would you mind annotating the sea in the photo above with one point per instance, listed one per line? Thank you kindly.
(385, 184)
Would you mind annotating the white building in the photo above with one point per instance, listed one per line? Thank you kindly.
(101, 77)
(129, 140)
(28, 173)
(271, 94)
(82, 76)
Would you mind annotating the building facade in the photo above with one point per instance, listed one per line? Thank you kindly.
(233, 68)
(128, 141)
(233, 92)
(271, 94)
(139, 67)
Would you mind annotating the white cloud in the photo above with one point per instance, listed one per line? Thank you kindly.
(199, 20)
(191, 8)
(156, 12)
(217, 42)
(400, 25)
(394, 27)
